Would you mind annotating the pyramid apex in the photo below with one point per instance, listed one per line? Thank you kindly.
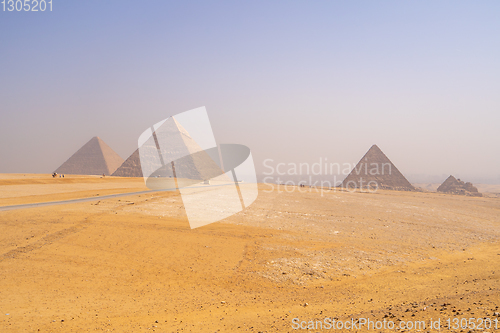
(179, 127)
(176, 122)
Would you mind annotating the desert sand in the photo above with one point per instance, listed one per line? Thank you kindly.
(132, 264)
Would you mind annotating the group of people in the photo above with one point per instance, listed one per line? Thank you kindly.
(54, 175)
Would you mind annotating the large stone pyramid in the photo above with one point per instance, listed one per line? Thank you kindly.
(375, 170)
(456, 186)
(94, 158)
(176, 145)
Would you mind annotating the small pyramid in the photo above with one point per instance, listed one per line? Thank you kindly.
(448, 184)
(456, 186)
(94, 158)
(375, 170)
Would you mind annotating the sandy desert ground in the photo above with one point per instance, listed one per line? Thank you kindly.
(132, 264)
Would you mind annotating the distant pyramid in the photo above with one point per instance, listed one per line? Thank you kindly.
(456, 186)
(191, 162)
(94, 158)
(375, 170)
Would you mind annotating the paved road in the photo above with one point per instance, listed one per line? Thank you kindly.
(64, 202)
(101, 197)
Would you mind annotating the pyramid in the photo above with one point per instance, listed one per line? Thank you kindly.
(190, 161)
(131, 167)
(375, 170)
(94, 158)
(456, 186)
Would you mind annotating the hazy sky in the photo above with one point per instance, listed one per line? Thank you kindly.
(293, 80)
